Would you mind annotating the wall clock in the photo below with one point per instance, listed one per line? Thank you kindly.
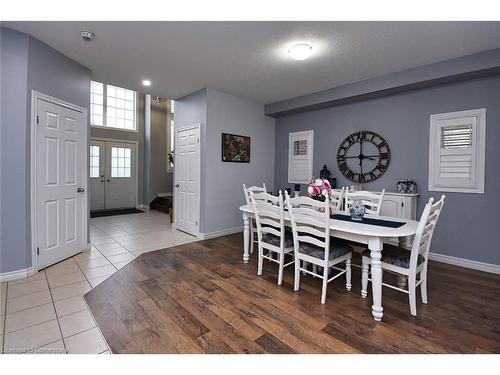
(363, 156)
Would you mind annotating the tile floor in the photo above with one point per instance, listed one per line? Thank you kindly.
(46, 313)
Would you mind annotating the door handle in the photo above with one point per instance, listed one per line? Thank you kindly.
(80, 190)
(107, 180)
(176, 185)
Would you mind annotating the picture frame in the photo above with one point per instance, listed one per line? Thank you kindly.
(235, 148)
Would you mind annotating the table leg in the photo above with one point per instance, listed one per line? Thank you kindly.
(375, 245)
(246, 238)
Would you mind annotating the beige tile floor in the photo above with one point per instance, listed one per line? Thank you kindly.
(46, 313)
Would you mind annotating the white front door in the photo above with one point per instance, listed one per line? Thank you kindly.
(187, 179)
(61, 150)
(112, 175)
(120, 175)
(97, 154)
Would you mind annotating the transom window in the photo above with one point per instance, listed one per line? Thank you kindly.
(94, 161)
(120, 162)
(112, 106)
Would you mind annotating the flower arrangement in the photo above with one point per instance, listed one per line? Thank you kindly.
(319, 189)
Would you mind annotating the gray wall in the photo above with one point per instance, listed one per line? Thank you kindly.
(221, 183)
(469, 221)
(31, 63)
(14, 183)
(160, 179)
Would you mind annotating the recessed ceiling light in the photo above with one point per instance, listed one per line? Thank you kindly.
(300, 51)
(146, 82)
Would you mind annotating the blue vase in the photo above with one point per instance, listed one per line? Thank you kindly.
(357, 211)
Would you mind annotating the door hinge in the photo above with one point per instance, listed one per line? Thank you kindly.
(402, 204)
(196, 223)
(37, 250)
(198, 140)
(37, 119)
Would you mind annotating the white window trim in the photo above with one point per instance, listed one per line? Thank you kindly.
(480, 150)
(309, 136)
(105, 109)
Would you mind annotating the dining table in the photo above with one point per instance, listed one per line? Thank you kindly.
(373, 231)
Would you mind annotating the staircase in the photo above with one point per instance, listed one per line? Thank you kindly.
(163, 204)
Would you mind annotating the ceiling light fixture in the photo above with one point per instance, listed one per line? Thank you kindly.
(146, 82)
(300, 51)
(87, 35)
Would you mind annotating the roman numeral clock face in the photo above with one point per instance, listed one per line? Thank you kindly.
(363, 157)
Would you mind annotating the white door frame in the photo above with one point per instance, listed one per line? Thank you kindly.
(35, 95)
(176, 151)
(136, 144)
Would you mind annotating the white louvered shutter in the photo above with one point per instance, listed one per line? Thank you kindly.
(455, 153)
(300, 156)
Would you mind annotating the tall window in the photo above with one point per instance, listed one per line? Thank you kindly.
(112, 106)
(94, 161)
(172, 132)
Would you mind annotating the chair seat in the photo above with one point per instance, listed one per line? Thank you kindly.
(395, 255)
(336, 250)
(275, 240)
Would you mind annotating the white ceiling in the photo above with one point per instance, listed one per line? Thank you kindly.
(249, 58)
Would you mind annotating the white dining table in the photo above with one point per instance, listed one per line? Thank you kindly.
(371, 235)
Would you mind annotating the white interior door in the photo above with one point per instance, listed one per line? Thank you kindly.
(97, 158)
(187, 179)
(120, 181)
(61, 147)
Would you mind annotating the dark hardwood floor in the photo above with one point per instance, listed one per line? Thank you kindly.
(201, 298)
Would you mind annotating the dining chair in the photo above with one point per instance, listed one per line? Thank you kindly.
(253, 229)
(408, 263)
(271, 232)
(337, 199)
(312, 242)
(371, 201)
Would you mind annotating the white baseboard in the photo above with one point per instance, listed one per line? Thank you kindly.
(164, 194)
(475, 265)
(142, 207)
(220, 233)
(16, 275)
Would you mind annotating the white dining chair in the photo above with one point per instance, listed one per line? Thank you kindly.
(372, 201)
(313, 244)
(271, 232)
(408, 263)
(337, 199)
(253, 228)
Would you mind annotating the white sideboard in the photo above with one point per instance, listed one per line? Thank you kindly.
(400, 205)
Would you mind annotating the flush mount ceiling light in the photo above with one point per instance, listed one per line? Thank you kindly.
(146, 82)
(300, 51)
